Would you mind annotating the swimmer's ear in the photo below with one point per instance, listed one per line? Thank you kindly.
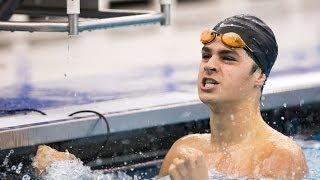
(260, 78)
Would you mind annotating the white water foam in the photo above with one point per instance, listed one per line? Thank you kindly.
(75, 170)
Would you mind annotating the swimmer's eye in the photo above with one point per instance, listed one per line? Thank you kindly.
(228, 58)
(206, 56)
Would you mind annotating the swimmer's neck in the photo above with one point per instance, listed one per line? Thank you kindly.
(235, 122)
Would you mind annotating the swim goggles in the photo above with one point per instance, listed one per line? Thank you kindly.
(230, 39)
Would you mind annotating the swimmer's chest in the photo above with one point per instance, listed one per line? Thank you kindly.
(238, 162)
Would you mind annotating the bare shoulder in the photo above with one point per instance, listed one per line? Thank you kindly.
(197, 141)
(194, 140)
(286, 159)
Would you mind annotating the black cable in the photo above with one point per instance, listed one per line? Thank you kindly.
(100, 116)
(15, 111)
(105, 120)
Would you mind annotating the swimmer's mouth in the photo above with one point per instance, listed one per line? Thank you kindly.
(208, 84)
(209, 81)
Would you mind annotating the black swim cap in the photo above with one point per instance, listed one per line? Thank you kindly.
(257, 35)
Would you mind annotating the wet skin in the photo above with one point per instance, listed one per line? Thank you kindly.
(240, 142)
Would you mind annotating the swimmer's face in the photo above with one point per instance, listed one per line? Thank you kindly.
(225, 74)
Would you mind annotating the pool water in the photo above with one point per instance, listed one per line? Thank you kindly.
(75, 170)
(313, 158)
(312, 152)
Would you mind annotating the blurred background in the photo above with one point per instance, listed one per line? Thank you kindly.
(41, 70)
(46, 70)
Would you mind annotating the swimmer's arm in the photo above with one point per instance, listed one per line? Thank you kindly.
(289, 164)
(188, 141)
(172, 153)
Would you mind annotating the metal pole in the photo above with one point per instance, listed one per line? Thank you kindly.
(166, 10)
(104, 23)
(73, 24)
(33, 26)
(73, 11)
(120, 21)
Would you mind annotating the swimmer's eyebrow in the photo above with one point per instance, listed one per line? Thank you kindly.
(205, 49)
(227, 52)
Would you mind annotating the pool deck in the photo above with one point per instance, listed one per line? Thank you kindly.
(132, 113)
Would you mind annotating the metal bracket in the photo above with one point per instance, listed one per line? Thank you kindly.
(79, 22)
(73, 11)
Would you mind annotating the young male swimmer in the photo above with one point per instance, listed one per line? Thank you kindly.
(237, 57)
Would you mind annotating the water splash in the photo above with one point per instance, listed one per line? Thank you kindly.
(6, 160)
(213, 175)
(14, 169)
(26, 177)
(75, 170)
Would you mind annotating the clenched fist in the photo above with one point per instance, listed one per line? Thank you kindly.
(189, 165)
(46, 155)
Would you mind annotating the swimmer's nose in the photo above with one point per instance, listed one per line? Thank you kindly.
(209, 69)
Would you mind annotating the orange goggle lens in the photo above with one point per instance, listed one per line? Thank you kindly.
(229, 39)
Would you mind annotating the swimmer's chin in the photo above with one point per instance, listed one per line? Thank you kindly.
(208, 101)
